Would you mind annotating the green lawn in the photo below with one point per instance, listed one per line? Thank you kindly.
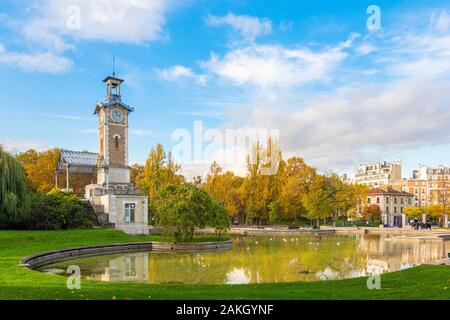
(425, 282)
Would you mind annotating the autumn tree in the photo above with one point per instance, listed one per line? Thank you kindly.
(262, 186)
(40, 168)
(41, 172)
(372, 213)
(415, 212)
(348, 198)
(135, 170)
(298, 176)
(442, 197)
(224, 188)
(159, 171)
(435, 212)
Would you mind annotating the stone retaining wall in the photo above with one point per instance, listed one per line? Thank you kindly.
(41, 259)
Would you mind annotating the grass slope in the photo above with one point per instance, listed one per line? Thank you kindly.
(424, 282)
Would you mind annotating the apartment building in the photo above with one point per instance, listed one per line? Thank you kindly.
(379, 174)
(437, 183)
(417, 187)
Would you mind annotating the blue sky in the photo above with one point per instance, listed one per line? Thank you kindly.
(338, 93)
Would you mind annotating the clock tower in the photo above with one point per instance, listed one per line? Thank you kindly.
(116, 202)
(113, 135)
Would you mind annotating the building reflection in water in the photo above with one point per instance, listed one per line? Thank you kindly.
(129, 268)
(264, 259)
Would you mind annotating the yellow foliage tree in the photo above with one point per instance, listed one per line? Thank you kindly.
(40, 168)
(225, 189)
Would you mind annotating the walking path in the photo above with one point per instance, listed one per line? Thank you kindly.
(405, 233)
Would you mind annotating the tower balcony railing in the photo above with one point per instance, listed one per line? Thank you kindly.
(113, 98)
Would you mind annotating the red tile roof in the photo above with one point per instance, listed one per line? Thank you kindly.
(387, 191)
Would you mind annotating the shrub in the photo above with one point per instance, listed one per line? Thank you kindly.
(58, 210)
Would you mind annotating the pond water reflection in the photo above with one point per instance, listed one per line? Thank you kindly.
(264, 259)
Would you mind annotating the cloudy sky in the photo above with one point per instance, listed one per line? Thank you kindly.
(338, 93)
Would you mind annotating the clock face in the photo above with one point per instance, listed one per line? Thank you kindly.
(117, 115)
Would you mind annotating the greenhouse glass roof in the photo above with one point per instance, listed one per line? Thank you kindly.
(78, 161)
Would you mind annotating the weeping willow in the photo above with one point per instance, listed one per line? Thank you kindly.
(13, 188)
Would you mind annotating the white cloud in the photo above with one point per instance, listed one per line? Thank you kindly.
(406, 110)
(179, 72)
(176, 72)
(14, 145)
(361, 122)
(90, 131)
(365, 48)
(140, 132)
(249, 27)
(275, 65)
(35, 62)
(127, 21)
(421, 55)
(443, 22)
(55, 25)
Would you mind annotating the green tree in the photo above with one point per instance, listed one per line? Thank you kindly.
(274, 212)
(327, 196)
(181, 209)
(13, 190)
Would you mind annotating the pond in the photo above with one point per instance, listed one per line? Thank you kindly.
(264, 259)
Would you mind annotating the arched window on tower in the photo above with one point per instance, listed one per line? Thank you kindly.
(116, 141)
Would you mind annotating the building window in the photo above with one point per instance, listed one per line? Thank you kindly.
(395, 200)
(395, 209)
(378, 199)
(387, 209)
(368, 200)
(401, 200)
(401, 209)
(129, 212)
(387, 199)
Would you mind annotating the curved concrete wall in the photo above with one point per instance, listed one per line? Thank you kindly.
(41, 259)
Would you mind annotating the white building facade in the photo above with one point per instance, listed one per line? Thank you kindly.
(392, 205)
(378, 174)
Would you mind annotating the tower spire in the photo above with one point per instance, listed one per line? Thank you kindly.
(114, 65)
